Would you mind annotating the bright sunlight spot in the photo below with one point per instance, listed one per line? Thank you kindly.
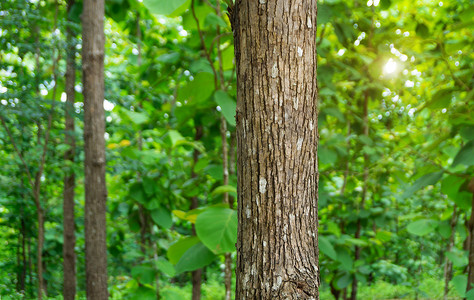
(390, 67)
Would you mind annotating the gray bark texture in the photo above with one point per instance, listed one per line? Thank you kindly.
(277, 139)
(94, 146)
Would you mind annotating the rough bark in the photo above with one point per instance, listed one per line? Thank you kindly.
(69, 255)
(277, 247)
(94, 146)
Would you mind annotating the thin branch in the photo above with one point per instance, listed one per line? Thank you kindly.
(203, 44)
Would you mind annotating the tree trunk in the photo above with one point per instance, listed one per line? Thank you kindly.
(94, 148)
(277, 139)
(196, 275)
(470, 268)
(448, 265)
(69, 256)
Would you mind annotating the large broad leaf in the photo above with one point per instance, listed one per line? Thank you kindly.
(144, 292)
(198, 90)
(137, 193)
(165, 7)
(144, 274)
(194, 258)
(326, 247)
(165, 266)
(422, 227)
(227, 105)
(326, 156)
(465, 156)
(460, 284)
(459, 260)
(344, 281)
(423, 181)
(176, 251)
(217, 229)
(224, 189)
(137, 117)
(345, 259)
(162, 217)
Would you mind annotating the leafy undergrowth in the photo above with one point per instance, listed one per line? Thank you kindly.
(428, 289)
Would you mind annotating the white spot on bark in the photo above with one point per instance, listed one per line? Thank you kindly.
(264, 244)
(298, 146)
(277, 283)
(257, 200)
(309, 23)
(262, 1)
(292, 218)
(311, 125)
(295, 103)
(300, 52)
(274, 71)
(254, 269)
(248, 212)
(262, 185)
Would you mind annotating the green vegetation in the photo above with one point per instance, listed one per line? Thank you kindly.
(396, 152)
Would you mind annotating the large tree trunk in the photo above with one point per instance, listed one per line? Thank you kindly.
(94, 146)
(277, 139)
(69, 256)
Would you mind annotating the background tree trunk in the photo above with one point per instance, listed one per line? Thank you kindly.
(94, 130)
(69, 256)
(277, 167)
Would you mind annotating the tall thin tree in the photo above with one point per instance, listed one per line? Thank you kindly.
(69, 256)
(277, 139)
(94, 145)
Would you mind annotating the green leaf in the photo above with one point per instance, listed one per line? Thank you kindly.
(441, 99)
(345, 259)
(163, 7)
(162, 217)
(224, 189)
(144, 293)
(460, 284)
(217, 229)
(459, 260)
(422, 182)
(324, 13)
(137, 117)
(465, 156)
(422, 227)
(344, 281)
(385, 4)
(165, 266)
(198, 90)
(194, 258)
(326, 156)
(174, 137)
(144, 274)
(444, 229)
(326, 247)
(169, 58)
(227, 105)
(467, 132)
(213, 20)
(422, 30)
(136, 193)
(177, 250)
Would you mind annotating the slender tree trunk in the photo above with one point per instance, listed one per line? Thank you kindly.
(69, 255)
(94, 146)
(277, 139)
(448, 265)
(364, 191)
(470, 268)
(196, 275)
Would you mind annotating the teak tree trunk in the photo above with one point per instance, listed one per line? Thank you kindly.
(277, 139)
(69, 256)
(94, 146)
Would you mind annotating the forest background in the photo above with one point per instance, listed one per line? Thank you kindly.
(396, 149)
